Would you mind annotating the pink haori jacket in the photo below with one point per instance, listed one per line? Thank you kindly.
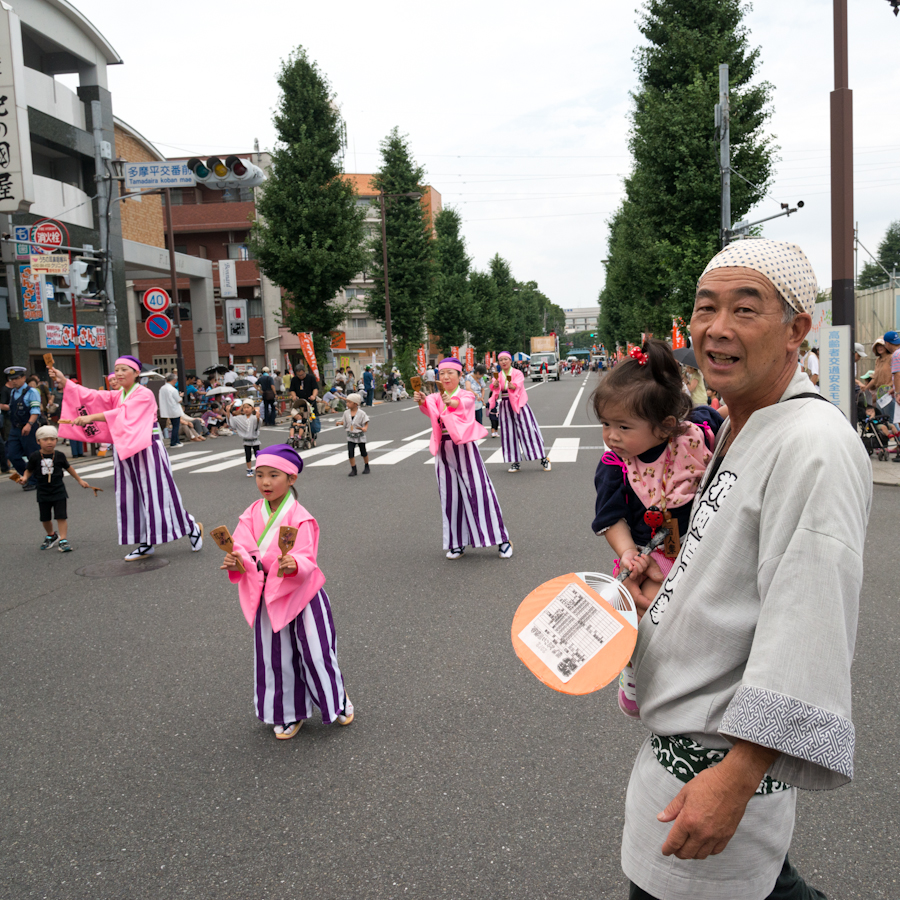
(256, 538)
(518, 396)
(129, 420)
(459, 423)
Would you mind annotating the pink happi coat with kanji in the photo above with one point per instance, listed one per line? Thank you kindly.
(458, 422)
(256, 539)
(130, 419)
(514, 382)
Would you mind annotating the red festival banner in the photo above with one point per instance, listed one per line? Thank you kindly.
(678, 339)
(470, 357)
(306, 344)
(454, 352)
(421, 362)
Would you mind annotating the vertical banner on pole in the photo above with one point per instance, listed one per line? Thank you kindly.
(678, 341)
(836, 376)
(421, 360)
(306, 344)
(287, 365)
(470, 357)
(454, 352)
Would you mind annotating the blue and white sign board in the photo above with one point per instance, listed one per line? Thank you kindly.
(143, 176)
(836, 366)
(22, 237)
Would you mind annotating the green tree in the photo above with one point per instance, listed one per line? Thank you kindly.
(485, 312)
(308, 234)
(449, 314)
(410, 251)
(667, 227)
(888, 255)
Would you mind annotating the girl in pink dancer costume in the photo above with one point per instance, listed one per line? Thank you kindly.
(658, 450)
(283, 599)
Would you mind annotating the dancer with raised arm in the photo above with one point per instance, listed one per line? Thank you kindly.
(469, 506)
(149, 509)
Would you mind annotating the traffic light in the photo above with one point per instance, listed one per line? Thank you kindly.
(82, 282)
(233, 172)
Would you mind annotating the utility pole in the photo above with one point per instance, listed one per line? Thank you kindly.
(103, 180)
(723, 123)
(843, 304)
(176, 312)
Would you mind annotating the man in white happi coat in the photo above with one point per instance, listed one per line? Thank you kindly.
(743, 659)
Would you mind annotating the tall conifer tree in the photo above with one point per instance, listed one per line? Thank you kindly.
(308, 236)
(410, 251)
(667, 228)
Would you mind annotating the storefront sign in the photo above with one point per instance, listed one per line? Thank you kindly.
(227, 278)
(50, 264)
(64, 337)
(33, 309)
(16, 176)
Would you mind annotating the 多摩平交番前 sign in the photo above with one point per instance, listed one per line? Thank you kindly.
(146, 175)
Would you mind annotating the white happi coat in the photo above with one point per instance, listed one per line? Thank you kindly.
(751, 637)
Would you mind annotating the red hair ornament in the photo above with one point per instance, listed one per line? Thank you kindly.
(639, 355)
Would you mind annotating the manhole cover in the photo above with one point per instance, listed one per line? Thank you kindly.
(119, 568)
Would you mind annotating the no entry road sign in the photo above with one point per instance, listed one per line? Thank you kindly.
(156, 300)
(158, 325)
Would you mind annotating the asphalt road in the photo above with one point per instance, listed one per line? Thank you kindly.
(134, 767)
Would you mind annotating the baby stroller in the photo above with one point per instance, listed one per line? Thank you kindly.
(301, 436)
(876, 432)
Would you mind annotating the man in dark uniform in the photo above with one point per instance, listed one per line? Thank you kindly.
(24, 409)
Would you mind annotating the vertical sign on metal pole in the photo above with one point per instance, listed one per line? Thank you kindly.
(176, 313)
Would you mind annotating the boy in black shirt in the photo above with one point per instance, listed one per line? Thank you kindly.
(49, 466)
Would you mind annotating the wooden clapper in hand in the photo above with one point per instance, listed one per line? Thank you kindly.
(224, 540)
(287, 535)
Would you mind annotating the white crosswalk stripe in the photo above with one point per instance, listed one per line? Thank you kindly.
(395, 456)
(341, 455)
(430, 460)
(564, 450)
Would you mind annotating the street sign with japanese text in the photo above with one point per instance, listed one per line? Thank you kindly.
(836, 366)
(50, 264)
(33, 309)
(156, 300)
(47, 236)
(143, 176)
(22, 237)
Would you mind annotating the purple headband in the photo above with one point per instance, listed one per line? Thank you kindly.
(450, 362)
(504, 353)
(132, 361)
(282, 457)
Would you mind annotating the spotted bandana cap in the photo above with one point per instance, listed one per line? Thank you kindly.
(782, 262)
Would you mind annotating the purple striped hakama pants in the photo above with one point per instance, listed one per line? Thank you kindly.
(297, 668)
(148, 506)
(520, 434)
(469, 506)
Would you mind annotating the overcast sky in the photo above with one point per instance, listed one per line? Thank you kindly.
(517, 111)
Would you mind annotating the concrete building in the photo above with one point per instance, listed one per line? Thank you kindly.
(58, 44)
(582, 318)
(361, 341)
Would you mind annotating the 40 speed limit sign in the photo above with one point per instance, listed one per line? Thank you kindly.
(156, 300)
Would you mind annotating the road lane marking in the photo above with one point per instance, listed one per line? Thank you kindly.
(571, 415)
(395, 456)
(564, 450)
(418, 434)
(341, 456)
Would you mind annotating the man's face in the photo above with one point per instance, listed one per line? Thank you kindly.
(16, 381)
(741, 343)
